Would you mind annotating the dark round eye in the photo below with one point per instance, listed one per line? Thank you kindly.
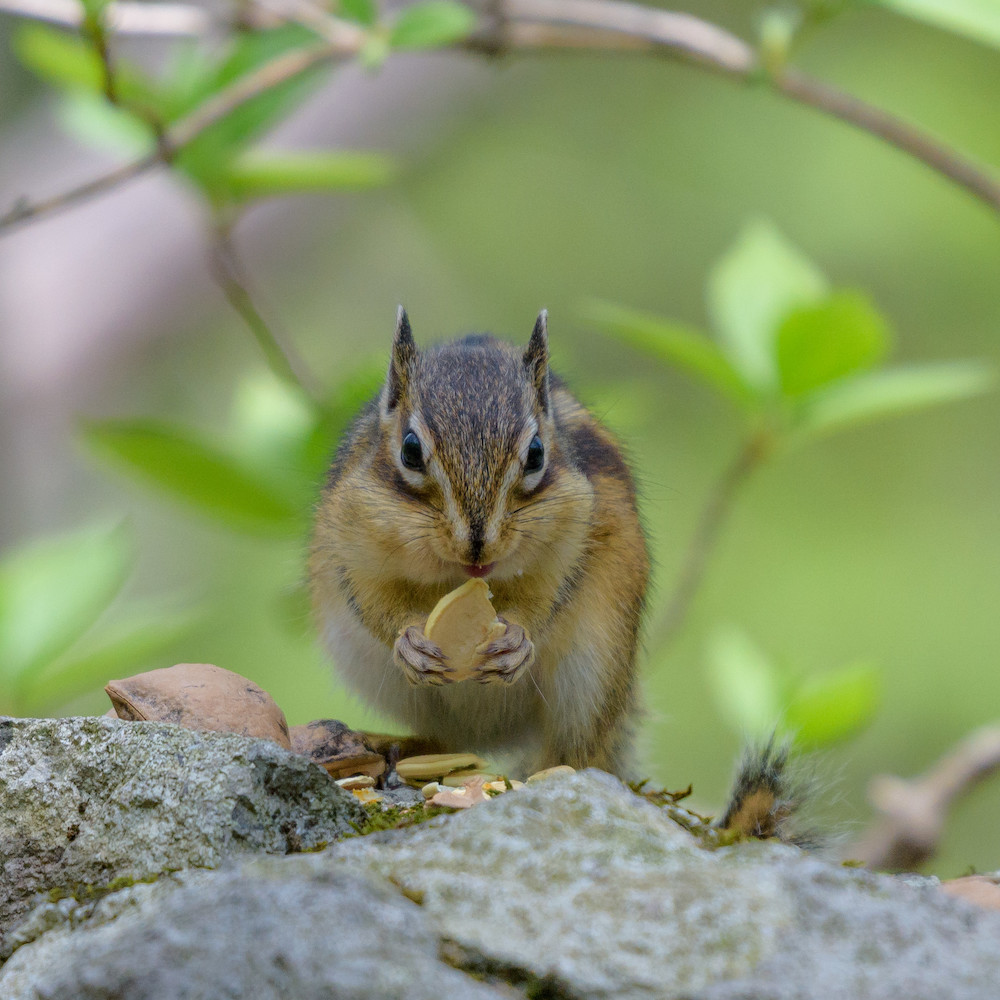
(411, 453)
(536, 455)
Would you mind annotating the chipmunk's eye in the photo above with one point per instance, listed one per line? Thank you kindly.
(536, 455)
(411, 453)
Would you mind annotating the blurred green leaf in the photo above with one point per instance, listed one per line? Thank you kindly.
(58, 58)
(821, 343)
(115, 652)
(975, 19)
(264, 175)
(103, 126)
(70, 63)
(746, 684)
(207, 158)
(874, 395)
(53, 590)
(677, 345)
(190, 469)
(751, 290)
(430, 24)
(833, 706)
(374, 51)
(362, 11)
(351, 395)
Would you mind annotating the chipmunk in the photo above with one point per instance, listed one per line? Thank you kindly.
(475, 461)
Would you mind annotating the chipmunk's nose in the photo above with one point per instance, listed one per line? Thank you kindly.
(477, 540)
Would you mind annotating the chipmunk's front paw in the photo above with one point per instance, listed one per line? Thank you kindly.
(421, 660)
(505, 658)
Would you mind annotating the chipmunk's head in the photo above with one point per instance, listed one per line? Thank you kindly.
(468, 444)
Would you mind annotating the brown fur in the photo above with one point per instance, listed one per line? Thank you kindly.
(571, 559)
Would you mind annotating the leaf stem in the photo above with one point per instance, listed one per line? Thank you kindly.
(230, 276)
(751, 454)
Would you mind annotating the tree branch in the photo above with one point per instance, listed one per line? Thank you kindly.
(913, 812)
(533, 25)
(178, 20)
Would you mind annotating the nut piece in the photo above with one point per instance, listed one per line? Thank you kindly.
(551, 772)
(356, 781)
(200, 696)
(342, 751)
(981, 890)
(470, 794)
(462, 620)
(433, 766)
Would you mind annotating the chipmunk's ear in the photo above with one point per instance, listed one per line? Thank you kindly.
(404, 353)
(536, 359)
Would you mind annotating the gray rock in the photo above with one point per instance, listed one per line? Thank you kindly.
(85, 801)
(580, 885)
(569, 888)
(261, 932)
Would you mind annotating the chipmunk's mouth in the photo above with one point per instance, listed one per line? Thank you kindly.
(476, 570)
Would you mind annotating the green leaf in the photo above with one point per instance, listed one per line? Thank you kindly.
(103, 126)
(264, 175)
(975, 19)
(58, 58)
(751, 290)
(746, 684)
(431, 24)
(351, 395)
(821, 343)
(131, 647)
(207, 158)
(374, 51)
(874, 395)
(362, 11)
(185, 467)
(835, 705)
(70, 63)
(687, 349)
(53, 590)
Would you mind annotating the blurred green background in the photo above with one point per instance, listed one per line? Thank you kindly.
(544, 181)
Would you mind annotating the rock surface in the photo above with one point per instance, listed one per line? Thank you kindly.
(85, 801)
(571, 887)
(263, 932)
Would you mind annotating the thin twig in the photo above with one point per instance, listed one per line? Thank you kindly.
(913, 812)
(706, 535)
(917, 143)
(533, 25)
(230, 276)
(175, 138)
(178, 20)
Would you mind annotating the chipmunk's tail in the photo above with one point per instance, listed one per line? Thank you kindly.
(767, 796)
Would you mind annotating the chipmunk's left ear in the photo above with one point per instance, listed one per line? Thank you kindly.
(404, 353)
(536, 359)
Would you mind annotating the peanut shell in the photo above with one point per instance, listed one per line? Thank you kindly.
(461, 621)
(200, 696)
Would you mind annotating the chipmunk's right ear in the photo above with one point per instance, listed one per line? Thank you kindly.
(404, 353)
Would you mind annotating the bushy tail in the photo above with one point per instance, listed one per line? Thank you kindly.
(766, 797)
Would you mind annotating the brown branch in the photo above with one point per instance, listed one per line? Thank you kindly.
(905, 137)
(913, 812)
(175, 138)
(534, 25)
(124, 17)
